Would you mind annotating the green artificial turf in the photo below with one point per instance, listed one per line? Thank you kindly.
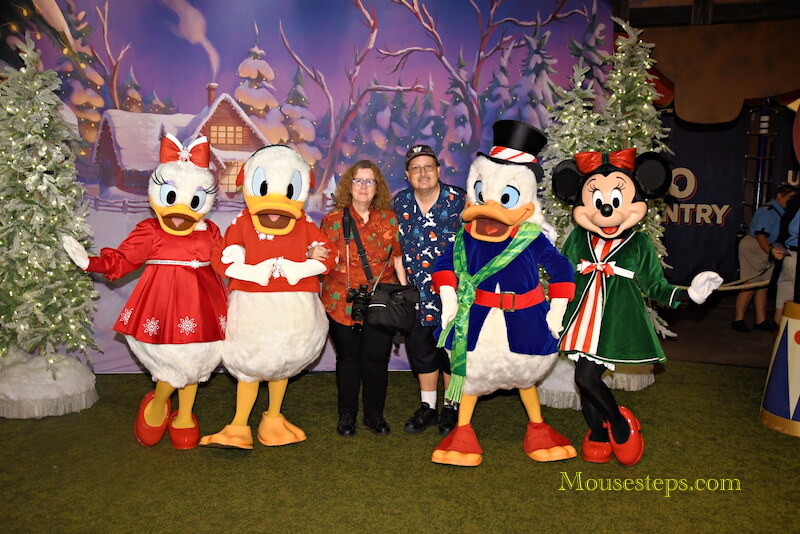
(85, 472)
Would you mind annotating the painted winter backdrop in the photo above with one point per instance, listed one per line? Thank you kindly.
(337, 80)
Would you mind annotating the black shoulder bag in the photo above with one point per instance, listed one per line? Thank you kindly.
(392, 307)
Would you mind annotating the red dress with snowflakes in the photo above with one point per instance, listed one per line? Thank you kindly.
(179, 298)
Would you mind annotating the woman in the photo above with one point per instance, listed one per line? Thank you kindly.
(362, 351)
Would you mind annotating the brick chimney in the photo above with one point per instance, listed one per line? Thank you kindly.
(212, 92)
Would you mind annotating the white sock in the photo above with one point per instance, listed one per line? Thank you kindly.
(429, 397)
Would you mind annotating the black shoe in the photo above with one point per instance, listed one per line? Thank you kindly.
(448, 419)
(767, 326)
(377, 425)
(346, 426)
(424, 417)
(739, 326)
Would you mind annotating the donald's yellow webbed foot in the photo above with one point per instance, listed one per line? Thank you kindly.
(276, 431)
(230, 437)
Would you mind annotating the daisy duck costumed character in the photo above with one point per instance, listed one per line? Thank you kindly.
(608, 323)
(174, 320)
(500, 330)
(276, 323)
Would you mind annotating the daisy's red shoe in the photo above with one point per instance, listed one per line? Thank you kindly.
(630, 452)
(183, 438)
(598, 452)
(145, 434)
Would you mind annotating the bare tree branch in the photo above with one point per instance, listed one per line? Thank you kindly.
(113, 63)
(356, 98)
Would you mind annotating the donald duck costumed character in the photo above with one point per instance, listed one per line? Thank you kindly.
(174, 320)
(276, 322)
(497, 325)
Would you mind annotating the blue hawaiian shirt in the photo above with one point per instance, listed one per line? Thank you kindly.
(424, 237)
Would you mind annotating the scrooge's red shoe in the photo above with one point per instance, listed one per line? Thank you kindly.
(630, 452)
(598, 452)
(145, 434)
(184, 438)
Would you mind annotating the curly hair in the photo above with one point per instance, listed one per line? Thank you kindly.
(343, 196)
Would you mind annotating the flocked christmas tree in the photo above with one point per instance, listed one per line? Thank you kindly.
(626, 118)
(46, 303)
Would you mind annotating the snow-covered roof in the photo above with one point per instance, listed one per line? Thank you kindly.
(230, 155)
(137, 135)
(193, 128)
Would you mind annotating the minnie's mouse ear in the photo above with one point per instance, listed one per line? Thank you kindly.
(567, 182)
(653, 174)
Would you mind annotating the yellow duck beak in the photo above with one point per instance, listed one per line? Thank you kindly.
(274, 214)
(493, 222)
(177, 219)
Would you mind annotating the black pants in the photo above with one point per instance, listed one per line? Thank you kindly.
(362, 361)
(423, 354)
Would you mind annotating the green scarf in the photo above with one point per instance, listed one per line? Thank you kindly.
(467, 284)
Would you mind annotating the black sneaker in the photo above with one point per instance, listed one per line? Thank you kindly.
(424, 417)
(767, 326)
(739, 326)
(346, 426)
(448, 419)
(377, 425)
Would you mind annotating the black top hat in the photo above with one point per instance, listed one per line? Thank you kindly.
(515, 142)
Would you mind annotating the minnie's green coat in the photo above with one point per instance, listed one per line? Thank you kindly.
(627, 335)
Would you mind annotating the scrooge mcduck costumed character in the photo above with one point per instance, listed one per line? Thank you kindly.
(174, 320)
(276, 323)
(500, 330)
(608, 323)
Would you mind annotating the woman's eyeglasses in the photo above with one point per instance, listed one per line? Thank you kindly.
(418, 169)
(367, 183)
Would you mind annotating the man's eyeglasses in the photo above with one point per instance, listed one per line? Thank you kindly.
(367, 183)
(418, 169)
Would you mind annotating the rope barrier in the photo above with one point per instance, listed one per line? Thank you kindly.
(739, 285)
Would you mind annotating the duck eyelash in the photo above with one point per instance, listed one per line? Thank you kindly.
(212, 190)
(156, 179)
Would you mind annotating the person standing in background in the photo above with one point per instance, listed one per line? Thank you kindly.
(755, 257)
(428, 215)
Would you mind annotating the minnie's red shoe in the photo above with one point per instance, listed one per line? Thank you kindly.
(630, 452)
(145, 434)
(598, 452)
(183, 438)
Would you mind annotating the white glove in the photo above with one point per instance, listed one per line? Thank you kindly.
(233, 254)
(259, 273)
(703, 284)
(294, 271)
(555, 317)
(75, 251)
(550, 232)
(449, 304)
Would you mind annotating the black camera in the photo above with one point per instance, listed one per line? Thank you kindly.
(360, 299)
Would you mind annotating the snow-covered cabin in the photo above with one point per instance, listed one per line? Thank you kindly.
(127, 147)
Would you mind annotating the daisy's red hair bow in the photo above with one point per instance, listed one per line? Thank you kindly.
(198, 152)
(589, 161)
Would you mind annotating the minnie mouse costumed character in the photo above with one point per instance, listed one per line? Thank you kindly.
(174, 320)
(608, 323)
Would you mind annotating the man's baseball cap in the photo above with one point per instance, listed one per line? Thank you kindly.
(420, 150)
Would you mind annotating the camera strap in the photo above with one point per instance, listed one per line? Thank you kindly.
(349, 228)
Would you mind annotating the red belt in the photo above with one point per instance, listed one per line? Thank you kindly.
(508, 300)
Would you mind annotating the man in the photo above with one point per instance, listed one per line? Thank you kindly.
(428, 216)
(754, 258)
